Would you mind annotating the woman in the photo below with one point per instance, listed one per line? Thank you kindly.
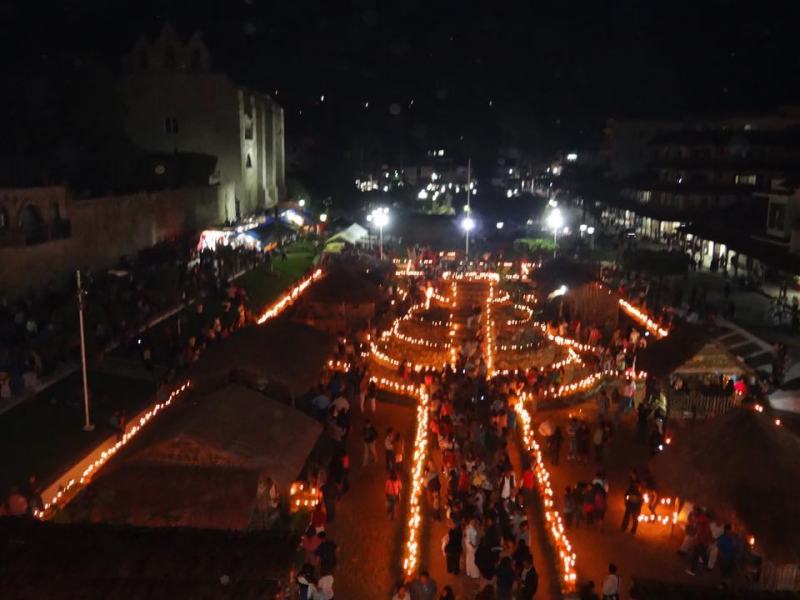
(392, 489)
(471, 546)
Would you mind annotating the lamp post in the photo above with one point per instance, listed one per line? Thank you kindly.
(380, 216)
(555, 221)
(81, 302)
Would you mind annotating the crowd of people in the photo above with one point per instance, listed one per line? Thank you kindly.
(40, 331)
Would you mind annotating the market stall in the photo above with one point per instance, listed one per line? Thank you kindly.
(746, 468)
(697, 374)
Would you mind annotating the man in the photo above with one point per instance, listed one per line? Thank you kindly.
(453, 546)
(388, 445)
(471, 546)
(529, 580)
(423, 588)
(370, 435)
(633, 506)
(321, 403)
(508, 485)
(611, 584)
(728, 549)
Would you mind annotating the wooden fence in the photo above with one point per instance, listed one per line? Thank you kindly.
(701, 406)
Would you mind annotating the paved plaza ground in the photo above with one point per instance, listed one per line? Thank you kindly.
(370, 545)
(652, 552)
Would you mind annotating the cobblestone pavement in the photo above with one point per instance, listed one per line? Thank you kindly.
(652, 551)
(369, 543)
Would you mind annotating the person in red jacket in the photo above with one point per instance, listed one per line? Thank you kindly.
(702, 541)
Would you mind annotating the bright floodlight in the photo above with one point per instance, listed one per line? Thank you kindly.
(302, 203)
(555, 220)
(381, 217)
(583, 227)
(423, 195)
(509, 193)
(572, 157)
(500, 224)
(323, 217)
(590, 231)
(468, 223)
(369, 217)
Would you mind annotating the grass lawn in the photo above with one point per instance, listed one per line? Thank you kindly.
(263, 287)
(46, 433)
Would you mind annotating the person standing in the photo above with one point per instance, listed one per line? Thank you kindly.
(392, 490)
(388, 445)
(402, 593)
(598, 440)
(633, 507)
(611, 584)
(529, 580)
(471, 546)
(370, 435)
(555, 445)
(505, 577)
(330, 495)
(453, 547)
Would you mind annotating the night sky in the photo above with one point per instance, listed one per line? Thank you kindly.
(534, 75)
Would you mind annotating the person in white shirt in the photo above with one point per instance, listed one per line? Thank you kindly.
(611, 584)
(470, 546)
(325, 587)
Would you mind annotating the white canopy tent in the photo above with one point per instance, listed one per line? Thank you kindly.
(352, 235)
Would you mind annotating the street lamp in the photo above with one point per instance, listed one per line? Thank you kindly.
(555, 221)
(499, 224)
(468, 224)
(302, 202)
(323, 217)
(380, 216)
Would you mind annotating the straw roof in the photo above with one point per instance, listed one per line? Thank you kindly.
(168, 496)
(283, 352)
(238, 427)
(61, 562)
(689, 349)
(342, 284)
(742, 462)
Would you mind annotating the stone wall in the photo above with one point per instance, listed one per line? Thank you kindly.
(103, 229)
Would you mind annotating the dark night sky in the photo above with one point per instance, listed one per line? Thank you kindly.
(546, 67)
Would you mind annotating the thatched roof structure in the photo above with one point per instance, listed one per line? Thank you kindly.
(343, 285)
(740, 462)
(238, 427)
(202, 468)
(283, 353)
(690, 350)
(168, 496)
(99, 562)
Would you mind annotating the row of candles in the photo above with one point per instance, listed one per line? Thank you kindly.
(566, 557)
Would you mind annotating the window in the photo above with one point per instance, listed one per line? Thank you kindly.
(745, 179)
(249, 162)
(776, 218)
(170, 125)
